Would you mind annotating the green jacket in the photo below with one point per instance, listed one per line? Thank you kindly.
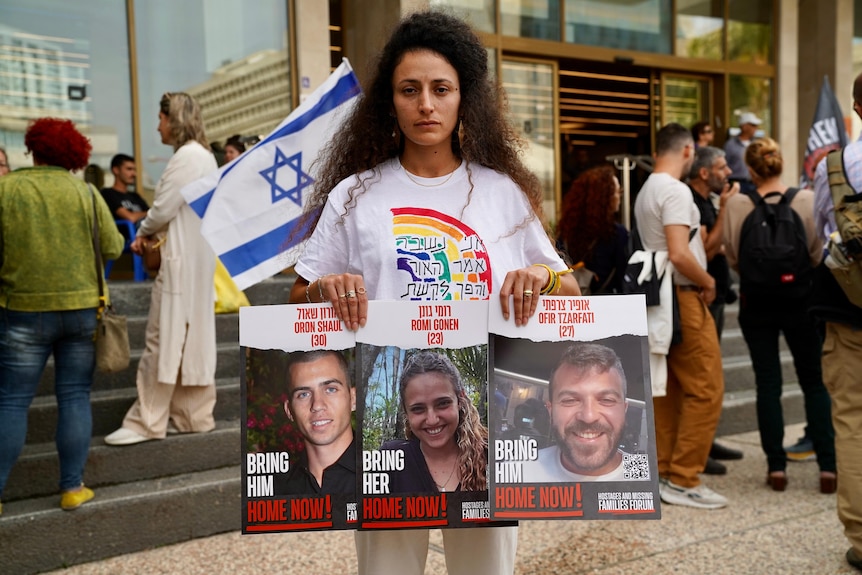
(46, 241)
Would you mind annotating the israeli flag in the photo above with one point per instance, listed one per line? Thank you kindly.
(250, 208)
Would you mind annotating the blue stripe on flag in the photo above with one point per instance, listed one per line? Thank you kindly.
(254, 252)
(346, 88)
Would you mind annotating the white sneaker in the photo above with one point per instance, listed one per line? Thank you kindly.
(701, 496)
(125, 436)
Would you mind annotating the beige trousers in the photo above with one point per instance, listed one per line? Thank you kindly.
(469, 551)
(842, 366)
(190, 407)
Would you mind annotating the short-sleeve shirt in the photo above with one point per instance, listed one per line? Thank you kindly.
(129, 200)
(665, 201)
(454, 237)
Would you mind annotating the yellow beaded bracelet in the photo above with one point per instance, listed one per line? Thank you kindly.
(554, 282)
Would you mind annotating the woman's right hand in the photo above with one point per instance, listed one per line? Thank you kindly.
(346, 292)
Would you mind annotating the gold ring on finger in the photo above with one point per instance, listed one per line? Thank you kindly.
(342, 295)
(361, 291)
(528, 293)
(350, 293)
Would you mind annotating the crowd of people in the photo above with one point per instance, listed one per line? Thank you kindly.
(430, 132)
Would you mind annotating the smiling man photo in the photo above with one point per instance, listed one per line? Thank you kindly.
(587, 391)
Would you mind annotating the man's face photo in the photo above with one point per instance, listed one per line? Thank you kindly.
(588, 414)
(321, 400)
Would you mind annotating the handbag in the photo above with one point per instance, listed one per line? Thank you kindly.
(112, 333)
(152, 254)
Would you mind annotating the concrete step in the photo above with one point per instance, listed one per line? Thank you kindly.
(739, 375)
(228, 364)
(739, 412)
(36, 473)
(110, 406)
(226, 324)
(133, 298)
(36, 535)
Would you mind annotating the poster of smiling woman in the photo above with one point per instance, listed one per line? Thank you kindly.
(422, 372)
(571, 413)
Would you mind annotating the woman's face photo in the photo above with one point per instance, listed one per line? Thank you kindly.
(432, 409)
(426, 98)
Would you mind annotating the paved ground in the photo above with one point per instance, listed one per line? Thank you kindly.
(760, 532)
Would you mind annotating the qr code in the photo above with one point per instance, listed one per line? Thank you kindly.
(635, 466)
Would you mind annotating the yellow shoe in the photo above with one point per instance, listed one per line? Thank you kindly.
(73, 499)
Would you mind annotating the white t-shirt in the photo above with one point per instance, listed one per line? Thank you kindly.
(665, 201)
(548, 468)
(427, 242)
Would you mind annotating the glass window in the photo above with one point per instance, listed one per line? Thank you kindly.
(234, 62)
(749, 31)
(622, 24)
(699, 29)
(686, 100)
(479, 13)
(751, 94)
(530, 89)
(67, 60)
(531, 18)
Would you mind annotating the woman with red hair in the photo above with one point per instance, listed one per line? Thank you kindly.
(588, 231)
(49, 292)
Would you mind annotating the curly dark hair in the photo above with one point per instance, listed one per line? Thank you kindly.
(56, 142)
(588, 215)
(366, 137)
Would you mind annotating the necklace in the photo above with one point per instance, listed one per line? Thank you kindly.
(418, 183)
(448, 479)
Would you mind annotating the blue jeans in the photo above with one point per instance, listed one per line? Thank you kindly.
(761, 325)
(26, 341)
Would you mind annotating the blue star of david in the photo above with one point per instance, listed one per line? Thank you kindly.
(302, 179)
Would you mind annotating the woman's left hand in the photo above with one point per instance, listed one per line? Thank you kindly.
(524, 285)
(137, 245)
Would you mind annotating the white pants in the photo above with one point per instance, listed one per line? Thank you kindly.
(473, 551)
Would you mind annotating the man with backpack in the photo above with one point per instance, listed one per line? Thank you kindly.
(842, 349)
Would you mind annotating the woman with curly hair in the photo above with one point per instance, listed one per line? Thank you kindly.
(446, 446)
(588, 231)
(422, 195)
(49, 294)
(176, 373)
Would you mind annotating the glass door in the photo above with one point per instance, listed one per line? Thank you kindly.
(530, 86)
(684, 99)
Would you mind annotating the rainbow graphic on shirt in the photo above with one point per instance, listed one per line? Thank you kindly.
(443, 258)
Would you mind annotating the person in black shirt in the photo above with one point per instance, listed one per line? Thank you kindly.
(320, 402)
(708, 181)
(124, 202)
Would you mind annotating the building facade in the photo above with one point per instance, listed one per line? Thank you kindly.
(586, 79)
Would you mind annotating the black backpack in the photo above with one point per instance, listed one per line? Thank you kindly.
(773, 249)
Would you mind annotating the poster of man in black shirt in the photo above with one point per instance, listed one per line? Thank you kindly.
(320, 402)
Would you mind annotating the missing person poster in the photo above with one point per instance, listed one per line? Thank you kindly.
(423, 381)
(298, 405)
(571, 412)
